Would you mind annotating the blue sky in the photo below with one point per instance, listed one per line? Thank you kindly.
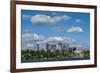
(51, 23)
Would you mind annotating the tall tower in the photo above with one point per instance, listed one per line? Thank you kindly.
(38, 47)
(47, 46)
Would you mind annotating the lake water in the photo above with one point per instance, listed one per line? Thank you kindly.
(48, 60)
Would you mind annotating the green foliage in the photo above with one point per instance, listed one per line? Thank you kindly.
(27, 55)
(85, 53)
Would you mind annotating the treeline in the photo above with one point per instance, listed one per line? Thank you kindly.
(27, 55)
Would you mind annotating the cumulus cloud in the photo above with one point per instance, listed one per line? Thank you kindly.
(32, 37)
(59, 18)
(55, 39)
(29, 45)
(66, 39)
(75, 29)
(45, 19)
(59, 39)
(29, 40)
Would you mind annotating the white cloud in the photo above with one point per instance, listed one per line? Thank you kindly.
(77, 20)
(32, 37)
(51, 39)
(69, 39)
(26, 16)
(75, 29)
(44, 19)
(59, 18)
(41, 19)
(29, 45)
(59, 39)
(29, 40)
(55, 39)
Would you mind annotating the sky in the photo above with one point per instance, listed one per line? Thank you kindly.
(44, 24)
